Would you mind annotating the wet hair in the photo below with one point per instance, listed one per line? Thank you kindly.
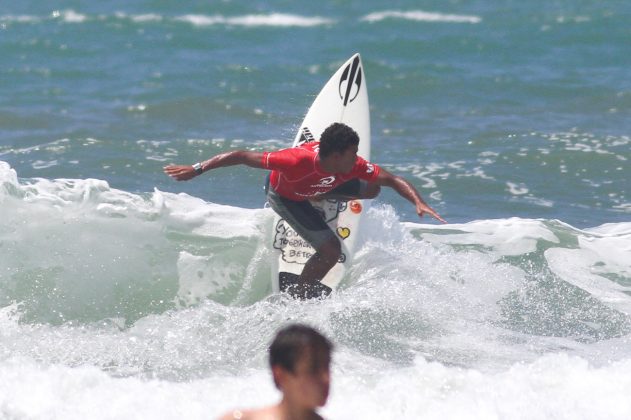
(337, 137)
(296, 341)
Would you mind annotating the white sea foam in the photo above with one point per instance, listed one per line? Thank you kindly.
(588, 142)
(29, 390)
(611, 229)
(421, 16)
(433, 170)
(209, 219)
(476, 172)
(200, 276)
(512, 236)
(201, 20)
(487, 157)
(273, 19)
(71, 16)
(517, 189)
(147, 17)
(573, 19)
(43, 164)
(252, 20)
(521, 192)
(110, 299)
(624, 207)
(537, 201)
(8, 175)
(55, 146)
(591, 271)
(554, 386)
(601, 265)
(19, 19)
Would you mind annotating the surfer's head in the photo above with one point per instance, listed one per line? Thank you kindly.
(337, 137)
(300, 358)
(338, 148)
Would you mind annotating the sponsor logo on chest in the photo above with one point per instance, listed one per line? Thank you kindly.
(325, 182)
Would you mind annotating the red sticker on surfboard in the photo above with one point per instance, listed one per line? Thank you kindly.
(355, 206)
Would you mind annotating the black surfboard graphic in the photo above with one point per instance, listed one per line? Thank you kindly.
(352, 75)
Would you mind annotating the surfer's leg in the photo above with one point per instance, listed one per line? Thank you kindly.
(320, 263)
(310, 225)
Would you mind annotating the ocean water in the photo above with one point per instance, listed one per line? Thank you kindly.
(124, 294)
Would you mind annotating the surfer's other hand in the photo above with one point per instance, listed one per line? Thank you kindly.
(180, 172)
(421, 209)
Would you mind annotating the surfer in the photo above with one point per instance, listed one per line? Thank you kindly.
(299, 358)
(320, 170)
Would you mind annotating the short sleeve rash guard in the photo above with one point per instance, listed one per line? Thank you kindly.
(297, 174)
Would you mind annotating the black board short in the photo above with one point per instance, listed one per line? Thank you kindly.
(305, 219)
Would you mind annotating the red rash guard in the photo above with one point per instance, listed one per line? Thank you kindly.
(298, 175)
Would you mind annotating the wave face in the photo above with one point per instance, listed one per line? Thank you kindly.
(163, 291)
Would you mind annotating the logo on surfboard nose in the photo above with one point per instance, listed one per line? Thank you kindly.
(305, 136)
(350, 82)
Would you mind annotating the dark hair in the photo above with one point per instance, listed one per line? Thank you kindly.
(337, 137)
(295, 341)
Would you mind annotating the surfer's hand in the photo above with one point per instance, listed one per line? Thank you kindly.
(180, 172)
(423, 208)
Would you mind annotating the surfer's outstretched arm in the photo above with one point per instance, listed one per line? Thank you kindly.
(237, 157)
(407, 191)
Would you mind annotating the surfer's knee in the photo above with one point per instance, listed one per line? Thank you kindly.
(331, 250)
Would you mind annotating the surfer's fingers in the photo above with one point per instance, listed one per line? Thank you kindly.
(179, 172)
(440, 218)
(435, 215)
(177, 169)
(172, 169)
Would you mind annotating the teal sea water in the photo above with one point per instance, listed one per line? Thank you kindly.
(126, 295)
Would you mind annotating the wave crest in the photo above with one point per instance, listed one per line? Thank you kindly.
(420, 16)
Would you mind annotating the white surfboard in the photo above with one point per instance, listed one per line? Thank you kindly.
(344, 98)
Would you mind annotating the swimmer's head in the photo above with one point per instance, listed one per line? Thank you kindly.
(300, 358)
(296, 341)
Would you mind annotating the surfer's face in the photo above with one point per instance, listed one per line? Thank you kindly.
(346, 160)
